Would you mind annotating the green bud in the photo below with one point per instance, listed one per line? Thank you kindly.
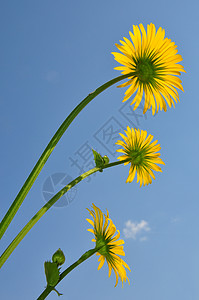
(52, 273)
(105, 159)
(58, 257)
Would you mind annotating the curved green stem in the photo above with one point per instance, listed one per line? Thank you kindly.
(45, 155)
(85, 256)
(47, 206)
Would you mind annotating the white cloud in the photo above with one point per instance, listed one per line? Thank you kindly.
(175, 220)
(143, 239)
(132, 229)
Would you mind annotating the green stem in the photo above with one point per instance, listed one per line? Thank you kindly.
(85, 256)
(46, 207)
(45, 155)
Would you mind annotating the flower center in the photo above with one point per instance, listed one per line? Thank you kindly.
(145, 70)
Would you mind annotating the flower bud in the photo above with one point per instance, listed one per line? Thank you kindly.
(58, 257)
(105, 159)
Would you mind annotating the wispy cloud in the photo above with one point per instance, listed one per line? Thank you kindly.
(143, 239)
(134, 229)
(175, 220)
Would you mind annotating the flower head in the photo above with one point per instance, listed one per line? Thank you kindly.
(104, 231)
(142, 155)
(152, 63)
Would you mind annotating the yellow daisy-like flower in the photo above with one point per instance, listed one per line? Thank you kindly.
(104, 231)
(152, 61)
(142, 155)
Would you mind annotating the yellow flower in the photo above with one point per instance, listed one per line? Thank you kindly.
(152, 61)
(142, 155)
(104, 231)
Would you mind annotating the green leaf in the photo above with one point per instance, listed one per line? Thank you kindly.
(99, 162)
(52, 273)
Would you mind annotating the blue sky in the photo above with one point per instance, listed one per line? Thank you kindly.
(53, 54)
